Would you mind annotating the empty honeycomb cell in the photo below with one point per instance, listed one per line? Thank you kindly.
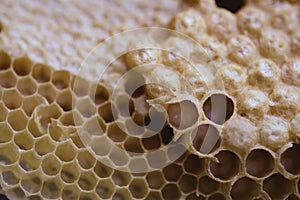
(85, 107)
(85, 159)
(264, 73)
(118, 157)
(3, 111)
(12, 99)
(96, 126)
(8, 154)
(155, 179)
(101, 146)
(132, 128)
(218, 108)
(259, 163)
(292, 197)
(10, 178)
(227, 167)
(277, 186)
(8, 79)
(167, 134)
(70, 172)
(102, 171)
(101, 95)
(70, 192)
(171, 192)
(195, 196)
(50, 165)
(77, 141)
(47, 113)
(81, 87)
(87, 180)
(22, 66)
(26, 86)
(34, 197)
(135, 87)
(138, 188)
(70, 119)
(245, 188)
(172, 172)
(188, 183)
(207, 185)
(34, 128)
(194, 164)
(6, 134)
(274, 132)
(48, 91)
(290, 159)
(217, 196)
(57, 133)
(121, 178)
(133, 145)
(274, 44)
(151, 143)
(153, 195)
(115, 133)
(5, 60)
(158, 159)
(64, 100)
(16, 193)
(32, 183)
(124, 105)
(41, 73)
(242, 50)
(189, 22)
(88, 196)
(66, 151)
(105, 188)
(223, 24)
(121, 194)
(17, 120)
(23, 140)
(140, 119)
(52, 189)
(29, 161)
(231, 5)
(61, 79)
(183, 115)
(44, 145)
(252, 20)
(206, 139)
(105, 111)
(31, 103)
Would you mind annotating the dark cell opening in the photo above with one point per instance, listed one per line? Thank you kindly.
(231, 5)
(3, 197)
(290, 159)
(218, 108)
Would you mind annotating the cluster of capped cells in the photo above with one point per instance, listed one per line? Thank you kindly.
(253, 145)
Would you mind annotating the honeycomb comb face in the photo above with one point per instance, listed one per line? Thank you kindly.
(232, 132)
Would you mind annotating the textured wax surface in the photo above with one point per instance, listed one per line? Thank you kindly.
(255, 54)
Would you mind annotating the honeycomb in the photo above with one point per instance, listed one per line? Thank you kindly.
(50, 147)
